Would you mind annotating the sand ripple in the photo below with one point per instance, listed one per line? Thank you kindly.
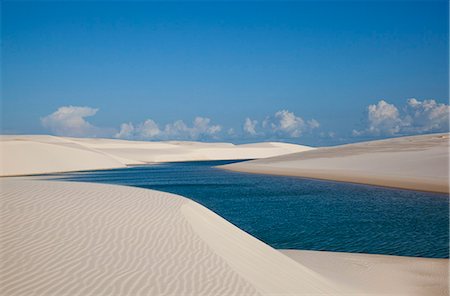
(95, 239)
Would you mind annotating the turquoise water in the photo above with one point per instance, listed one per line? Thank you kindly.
(296, 213)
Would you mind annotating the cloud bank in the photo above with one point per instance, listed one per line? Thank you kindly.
(414, 118)
(201, 128)
(71, 121)
(382, 119)
(283, 124)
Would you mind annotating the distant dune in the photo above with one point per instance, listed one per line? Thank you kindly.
(418, 162)
(40, 154)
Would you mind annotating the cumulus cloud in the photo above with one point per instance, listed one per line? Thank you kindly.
(201, 128)
(250, 126)
(416, 117)
(149, 129)
(126, 131)
(70, 121)
(427, 115)
(282, 124)
(384, 118)
(286, 123)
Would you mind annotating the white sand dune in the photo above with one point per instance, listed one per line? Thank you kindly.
(145, 152)
(418, 162)
(39, 154)
(44, 154)
(378, 274)
(70, 238)
(67, 238)
(61, 238)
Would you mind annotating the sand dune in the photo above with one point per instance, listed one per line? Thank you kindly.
(67, 238)
(44, 154)
(419, 163)
(63, 238)
(145, 152)
(39, 154)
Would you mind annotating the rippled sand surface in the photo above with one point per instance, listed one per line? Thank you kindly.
(65, 238)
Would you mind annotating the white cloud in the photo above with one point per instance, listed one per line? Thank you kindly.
(149, 129)
(250, 126)
(416, 117)
(312, 124)
(126, 131)
(70, 121)
(384, 118)
(427, 115)
(202, 126)
(286, 123)
(178, 130)
(145, 130)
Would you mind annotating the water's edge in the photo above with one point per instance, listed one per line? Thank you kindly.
(300, 213)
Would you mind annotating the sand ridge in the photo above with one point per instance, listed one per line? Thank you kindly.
(40, 154)
(417, 162)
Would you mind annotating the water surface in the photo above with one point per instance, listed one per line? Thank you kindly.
(296, 213)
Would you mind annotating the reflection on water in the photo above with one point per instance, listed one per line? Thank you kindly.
(295, 213)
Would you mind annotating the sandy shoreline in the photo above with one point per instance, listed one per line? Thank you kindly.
(349, 177)
(417, 163)
(378, 274)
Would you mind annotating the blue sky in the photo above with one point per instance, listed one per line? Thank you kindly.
(305, 72)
